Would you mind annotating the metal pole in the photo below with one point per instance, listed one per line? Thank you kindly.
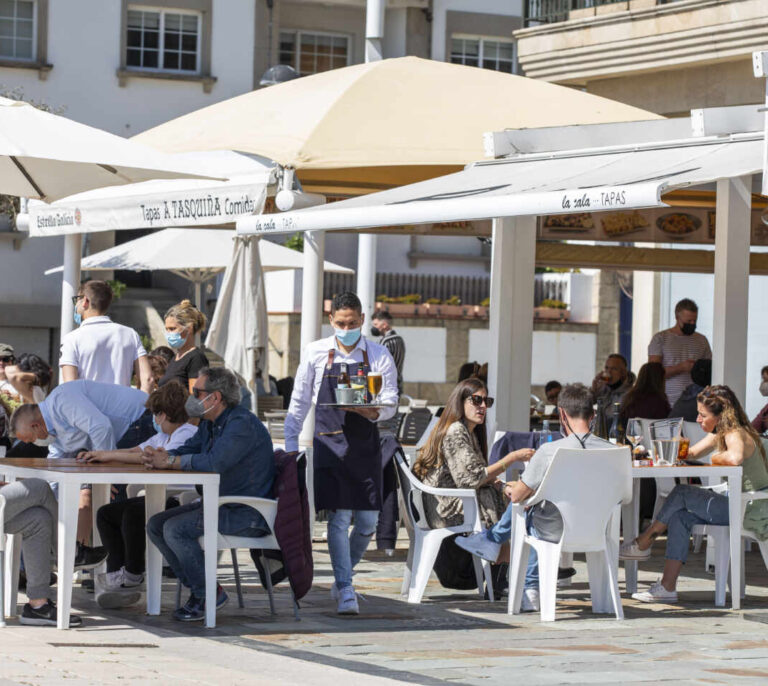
(366, 243)
(70, 282)
(199, 305)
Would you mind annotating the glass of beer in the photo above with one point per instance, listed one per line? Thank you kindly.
(374, 386)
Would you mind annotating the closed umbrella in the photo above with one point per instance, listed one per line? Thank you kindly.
(46, 156)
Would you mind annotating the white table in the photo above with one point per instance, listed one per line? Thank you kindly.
(71, 474)
(630, 515)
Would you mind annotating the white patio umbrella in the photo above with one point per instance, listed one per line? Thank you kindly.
(46, 156)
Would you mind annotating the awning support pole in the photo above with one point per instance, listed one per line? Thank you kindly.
(311, 325)
(198, 303)
(731, 296)
(511, 323)
(70, 282)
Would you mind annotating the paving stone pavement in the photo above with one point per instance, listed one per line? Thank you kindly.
(452, 637)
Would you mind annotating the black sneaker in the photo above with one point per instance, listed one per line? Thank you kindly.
(565, 572)
(194, 609)
(45, 616)
(88, 558)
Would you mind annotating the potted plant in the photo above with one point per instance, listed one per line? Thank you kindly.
(551, 309)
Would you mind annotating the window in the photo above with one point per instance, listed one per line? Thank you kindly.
(17, 29)
(488, 53)
(163, 40)
(311, 53)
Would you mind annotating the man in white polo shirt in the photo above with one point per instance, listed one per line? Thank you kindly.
(99, 349)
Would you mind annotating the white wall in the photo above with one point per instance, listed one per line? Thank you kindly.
(84, 47)
(565, 356)
(440, 7)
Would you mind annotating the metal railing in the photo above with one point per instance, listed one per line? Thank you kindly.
(553, 11)
(471, 290)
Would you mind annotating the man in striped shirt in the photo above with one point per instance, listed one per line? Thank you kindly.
(678, 349)
(392, 341)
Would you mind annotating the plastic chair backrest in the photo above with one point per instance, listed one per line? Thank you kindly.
(268, 403)
(412, 494)
(416, 422)
(425, 436)
(586, 486)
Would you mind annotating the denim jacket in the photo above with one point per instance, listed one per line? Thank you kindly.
(238, 447)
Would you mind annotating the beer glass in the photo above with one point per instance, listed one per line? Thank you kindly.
(374, 386)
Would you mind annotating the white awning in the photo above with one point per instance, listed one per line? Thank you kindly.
(162, 203)
(615, 178)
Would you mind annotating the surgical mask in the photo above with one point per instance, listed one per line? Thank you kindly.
(764, 388)
(156, 426)
(688, 329)
(44, 442)
(195, 407)
(175, 339)
(347, 336)
(375, 331)
(78, 318)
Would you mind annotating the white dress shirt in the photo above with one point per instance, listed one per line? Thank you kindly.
(309, 376)
(85, 415)
(102, 351)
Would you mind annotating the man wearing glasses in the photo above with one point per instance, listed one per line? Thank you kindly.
(100, 349)
(232, 442)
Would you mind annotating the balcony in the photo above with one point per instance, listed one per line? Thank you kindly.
(581, 42)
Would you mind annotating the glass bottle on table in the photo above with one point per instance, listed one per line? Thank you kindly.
(616, 432)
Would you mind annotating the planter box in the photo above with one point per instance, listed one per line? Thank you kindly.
(551, 314)
(426, 310)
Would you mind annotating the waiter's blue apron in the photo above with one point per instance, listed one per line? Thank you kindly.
(347, 452)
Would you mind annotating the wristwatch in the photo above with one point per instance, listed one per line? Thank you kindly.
(172, 460)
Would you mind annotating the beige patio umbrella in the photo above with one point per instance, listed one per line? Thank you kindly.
(382, 124)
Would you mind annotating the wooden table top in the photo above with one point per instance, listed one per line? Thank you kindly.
(73, 466)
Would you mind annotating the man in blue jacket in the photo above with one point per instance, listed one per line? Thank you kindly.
(232, 442)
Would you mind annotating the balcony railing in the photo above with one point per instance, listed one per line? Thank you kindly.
(552, 11)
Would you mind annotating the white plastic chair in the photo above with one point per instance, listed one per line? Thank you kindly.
(2, 561)
(268, 509)
(719, 545)
(425, 541)
(588, 487)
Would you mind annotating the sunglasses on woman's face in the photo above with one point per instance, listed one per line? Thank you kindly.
(478, 400)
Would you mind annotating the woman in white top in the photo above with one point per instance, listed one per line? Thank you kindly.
(122, 525)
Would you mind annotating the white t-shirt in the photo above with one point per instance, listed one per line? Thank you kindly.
(102, 351)
(177, 439)
(675, 349)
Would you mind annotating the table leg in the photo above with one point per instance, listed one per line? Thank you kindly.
(69, 495)
(210, 542)
(734, 526)
(99, 497)
(154, 502)
(630, 515)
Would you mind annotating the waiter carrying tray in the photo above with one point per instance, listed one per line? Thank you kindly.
(346, 449)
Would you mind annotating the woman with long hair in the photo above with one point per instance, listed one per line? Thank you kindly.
(456, 456)
(736, 443)
(31, 377)
(647, 398)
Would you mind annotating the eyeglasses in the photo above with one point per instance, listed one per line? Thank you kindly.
(478, 400)
(8, 360)
(75, 298)
(197, 391)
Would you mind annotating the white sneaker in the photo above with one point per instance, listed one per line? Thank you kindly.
(119, 580)
(656, 594)
(479, 544)
(347, 601)
(530, 600)
(630, 551)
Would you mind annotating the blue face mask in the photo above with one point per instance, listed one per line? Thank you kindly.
(347, 336)
(78, 318)
(155, 425)
(175, 339)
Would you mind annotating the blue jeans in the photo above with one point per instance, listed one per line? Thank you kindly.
(685, 507)
(347, 548)
(175, 532)
(501, 532)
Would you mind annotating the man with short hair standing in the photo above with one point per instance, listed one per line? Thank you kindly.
(100, 349)
(391, 340)
(347, 451)
(232, 442)
(678, 348)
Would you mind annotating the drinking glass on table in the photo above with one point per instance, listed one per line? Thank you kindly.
(374, 386)
(665, 438)
(634, 432)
